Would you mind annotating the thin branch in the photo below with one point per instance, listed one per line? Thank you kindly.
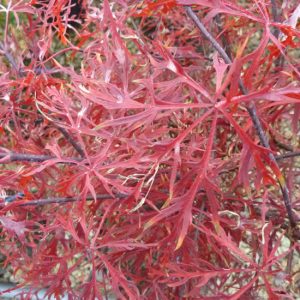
(207, 35)
(280, 59)
(289, 265)
(287, 155)
(15, 157)
(225, 42)
(275, 17)
(251, 110)
(17, 199)
(62, 200)
(11, 157)
(71, 140)
(281, 144)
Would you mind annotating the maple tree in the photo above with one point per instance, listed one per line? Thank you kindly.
(150, 149)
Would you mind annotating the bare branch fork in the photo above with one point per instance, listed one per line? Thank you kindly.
(250, 108)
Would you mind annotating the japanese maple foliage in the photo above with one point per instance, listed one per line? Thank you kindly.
(132, 165)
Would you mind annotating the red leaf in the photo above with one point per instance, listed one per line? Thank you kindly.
(14, 227)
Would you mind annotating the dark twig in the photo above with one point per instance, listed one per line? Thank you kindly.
(287, 155)
(207, 35)
(251, 110)
(289, 265)
(225, 42)
(281, 144)
(60, 200)
(19, 195)
(11, 157)
(71, 140)
(275, 17)
(280, 59)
